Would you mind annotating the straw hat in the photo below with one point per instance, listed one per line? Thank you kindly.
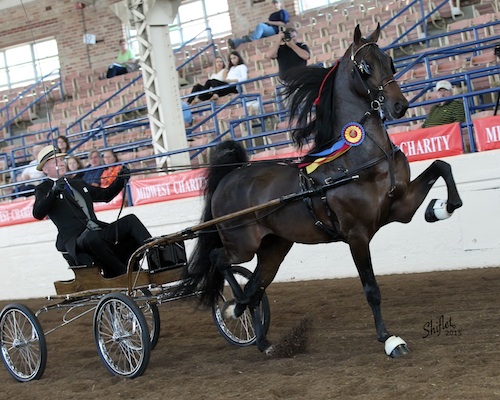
(45, 154)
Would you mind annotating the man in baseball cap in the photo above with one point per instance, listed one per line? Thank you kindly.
(69, 205)
(446, 85)
(446, 112)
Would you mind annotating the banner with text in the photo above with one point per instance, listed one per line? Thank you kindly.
(169, 187)
(115, 203)
(17, 212)
(487, 133)
(428, 143)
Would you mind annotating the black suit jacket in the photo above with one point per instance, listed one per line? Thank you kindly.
(65, 212)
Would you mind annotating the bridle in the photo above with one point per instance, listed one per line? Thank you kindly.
(363, 71)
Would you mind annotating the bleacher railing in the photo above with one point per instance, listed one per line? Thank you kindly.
(12, 116)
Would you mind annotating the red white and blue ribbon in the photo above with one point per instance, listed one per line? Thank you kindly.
(353, 134)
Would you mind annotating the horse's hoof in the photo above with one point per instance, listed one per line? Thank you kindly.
(227, 310)
(396, 347)
(269, 351)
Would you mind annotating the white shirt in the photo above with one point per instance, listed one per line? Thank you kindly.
(219, 75)
(239, 72)
(32, 173)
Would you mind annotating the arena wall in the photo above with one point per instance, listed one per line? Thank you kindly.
(469, 239)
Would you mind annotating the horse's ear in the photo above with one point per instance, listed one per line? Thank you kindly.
(375, 35)
(357, 35)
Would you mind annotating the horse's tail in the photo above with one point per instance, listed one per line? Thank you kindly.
(201, 274)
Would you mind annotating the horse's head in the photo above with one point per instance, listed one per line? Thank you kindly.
(373, 75)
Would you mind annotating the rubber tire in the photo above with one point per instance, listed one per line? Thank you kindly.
(152, 315)
(34, 337)
(114, 334)
(240, 332)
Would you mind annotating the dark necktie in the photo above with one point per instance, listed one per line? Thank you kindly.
(69, 190)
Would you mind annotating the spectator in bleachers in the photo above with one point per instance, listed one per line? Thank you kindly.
(237, 72)
(277, 19)
(215, 79)
(62, 144)
(289, 52)
(446, 112)
(74, 164)
(93, 177)
(125, 61)
(31, 172)
(110, 173)
(187, 114)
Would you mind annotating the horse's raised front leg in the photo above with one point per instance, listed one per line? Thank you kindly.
(420, 187)
(394, 346)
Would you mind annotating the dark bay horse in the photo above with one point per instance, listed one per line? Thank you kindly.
(351, 99)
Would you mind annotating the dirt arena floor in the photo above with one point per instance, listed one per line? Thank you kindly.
(343, 359)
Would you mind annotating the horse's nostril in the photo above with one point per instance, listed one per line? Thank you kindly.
(400, 108)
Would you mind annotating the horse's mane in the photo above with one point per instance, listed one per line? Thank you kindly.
(301, 90)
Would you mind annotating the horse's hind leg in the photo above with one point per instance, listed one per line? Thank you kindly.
(420, 187)
(270, 255)
(361, 255)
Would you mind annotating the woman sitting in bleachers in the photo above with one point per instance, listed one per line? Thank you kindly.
(73, 163)
(236, 73)
(110, 173)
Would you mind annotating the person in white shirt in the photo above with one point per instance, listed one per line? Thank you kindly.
(216, 78)
(238, 71)
(29, 173)
(221, 76)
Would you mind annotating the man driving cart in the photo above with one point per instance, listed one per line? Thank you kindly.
(69, 204)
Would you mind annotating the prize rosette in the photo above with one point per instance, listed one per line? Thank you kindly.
(353, 133)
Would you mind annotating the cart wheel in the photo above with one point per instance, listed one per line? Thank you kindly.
(121, 336)
(24, 350)
(152, 315)
(239, 332)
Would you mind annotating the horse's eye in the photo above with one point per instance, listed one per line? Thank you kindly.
(365, 69)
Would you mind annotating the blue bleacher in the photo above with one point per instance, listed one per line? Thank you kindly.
(116, 119)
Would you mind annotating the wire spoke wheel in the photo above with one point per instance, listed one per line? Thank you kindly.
(240, 331)
(151, 314)
(121, 335)
(22, 342)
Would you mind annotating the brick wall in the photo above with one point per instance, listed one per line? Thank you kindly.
(60, 19)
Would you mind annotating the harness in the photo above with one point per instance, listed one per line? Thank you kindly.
(362, 70)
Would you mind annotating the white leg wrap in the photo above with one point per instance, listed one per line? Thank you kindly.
(392, 343)
(436, 211)
(229, 312)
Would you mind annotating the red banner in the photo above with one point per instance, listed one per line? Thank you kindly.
(487, 133)
(169, 187)
(440, 141)
(429, 143)
(115, 203)
(17, 212)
